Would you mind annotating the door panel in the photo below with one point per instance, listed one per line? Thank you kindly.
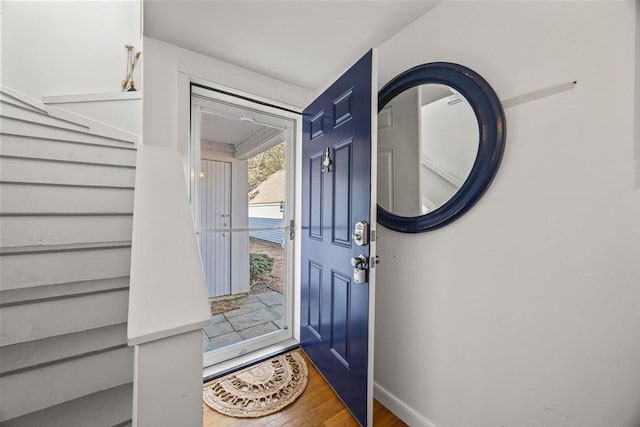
(215, 214)
(341, 206)
(337, 190)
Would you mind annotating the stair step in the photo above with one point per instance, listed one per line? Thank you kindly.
(77, 199)
(40, 388)
(56, 230)
(44, 249)
(10, 126)
(11, 110)
(108, 408)
(62, 264)
(22, 146)
(30, 170)
(50, 318)
(66, 203)
(61, 290)
(29, 355)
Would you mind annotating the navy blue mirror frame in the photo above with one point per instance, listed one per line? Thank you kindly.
(492, 126)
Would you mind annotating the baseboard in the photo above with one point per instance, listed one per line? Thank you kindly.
(399, 408)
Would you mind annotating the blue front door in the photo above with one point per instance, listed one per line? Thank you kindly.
(336, 194)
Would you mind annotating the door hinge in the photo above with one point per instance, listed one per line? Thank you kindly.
(292, 229)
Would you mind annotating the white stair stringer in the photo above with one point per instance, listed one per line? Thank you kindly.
(13, 98)
(12, 110)
(66, 207)
(21, 101)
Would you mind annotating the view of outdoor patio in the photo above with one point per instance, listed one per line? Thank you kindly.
(261, 310)
(257, 309)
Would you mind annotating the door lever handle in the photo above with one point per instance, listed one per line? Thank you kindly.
(359, 264)
(359, 261)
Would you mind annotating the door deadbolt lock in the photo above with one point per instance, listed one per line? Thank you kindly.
(361, 233)
(359, 275)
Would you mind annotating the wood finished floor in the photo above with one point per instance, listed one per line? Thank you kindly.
(317, 407)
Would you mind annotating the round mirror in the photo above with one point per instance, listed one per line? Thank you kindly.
(441, 132)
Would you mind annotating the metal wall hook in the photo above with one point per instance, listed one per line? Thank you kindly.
(537, 94)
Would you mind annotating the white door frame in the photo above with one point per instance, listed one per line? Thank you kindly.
(204, 98)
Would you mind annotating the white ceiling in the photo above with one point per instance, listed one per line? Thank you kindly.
(304, 42)
(225, 130)
(243, 128)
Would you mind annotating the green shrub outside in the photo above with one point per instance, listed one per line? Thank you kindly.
(259, 265)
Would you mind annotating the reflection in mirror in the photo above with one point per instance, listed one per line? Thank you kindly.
(428, 138)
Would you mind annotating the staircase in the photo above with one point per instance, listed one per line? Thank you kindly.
(66, 207)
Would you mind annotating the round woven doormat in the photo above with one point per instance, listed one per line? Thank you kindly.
(259, 390)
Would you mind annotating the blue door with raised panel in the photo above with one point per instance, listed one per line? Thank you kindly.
(336, 194)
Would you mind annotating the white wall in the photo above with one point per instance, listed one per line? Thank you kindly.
(525, 311)
(637, 92)
(68, 48)
(64, 47)
(167, 71)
